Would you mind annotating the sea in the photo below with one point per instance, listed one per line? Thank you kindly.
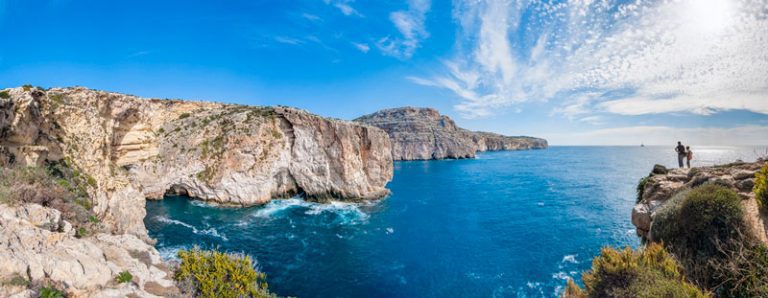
(505, 224)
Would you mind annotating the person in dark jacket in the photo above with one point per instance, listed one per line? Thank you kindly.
(681, 154)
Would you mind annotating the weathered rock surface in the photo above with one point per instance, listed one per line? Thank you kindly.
(231, 154)
(662, 184)
(422, 133)
(36, 245)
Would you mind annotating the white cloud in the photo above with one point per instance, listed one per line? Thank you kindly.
(362, 47)
(288, 40)
(311, 17)
(410, 24)
(344, 6)
(751, 135)
(698, 56)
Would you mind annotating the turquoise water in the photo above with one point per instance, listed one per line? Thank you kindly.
(507, 224)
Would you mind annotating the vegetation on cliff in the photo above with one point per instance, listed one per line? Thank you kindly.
(647, 272)
(216, 274)
(700, 238)
(761, 187)
(57, 186)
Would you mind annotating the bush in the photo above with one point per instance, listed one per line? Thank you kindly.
(124, 277)
(50, 292)
(217, 274)
(641, 188)
(53, 186)
(650, 272)
(761, 187)
(743, 271)
(26, 87)
(184, 115)
(5, 95)
(706, 230)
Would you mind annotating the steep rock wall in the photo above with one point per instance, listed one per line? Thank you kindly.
(422, 133)
(231, 154)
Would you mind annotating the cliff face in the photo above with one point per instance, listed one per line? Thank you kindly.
(422, 133)
(663, 184)
(135, 148)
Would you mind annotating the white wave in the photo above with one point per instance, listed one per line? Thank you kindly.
(171, 252)
(277, 206)
(209, 231)
(348, 213)
(570, 259)
(198, 203)
(561, 275)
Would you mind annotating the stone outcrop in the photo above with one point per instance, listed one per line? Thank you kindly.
(39, 247)
(422, 133)
(136, 148)
(662, 184)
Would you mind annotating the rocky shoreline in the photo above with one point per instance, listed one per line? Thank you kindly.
(130, 149)
(662, 184)
(124, 150)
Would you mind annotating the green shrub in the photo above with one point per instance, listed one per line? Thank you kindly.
(81, 232)
(17, 280)
(217, 274)
(706, 230)
(50, 292)
(124, 277)
(761, 187)
(93, 219)
(650, 272)
(184, 115)
(27, 87)
(641, 188)
(5, 95)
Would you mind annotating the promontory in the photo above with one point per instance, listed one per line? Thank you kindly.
(423, 133)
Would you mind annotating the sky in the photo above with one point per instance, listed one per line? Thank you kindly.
(597, 72)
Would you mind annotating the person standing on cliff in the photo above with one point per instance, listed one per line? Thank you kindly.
(680, 149)
(688, 155)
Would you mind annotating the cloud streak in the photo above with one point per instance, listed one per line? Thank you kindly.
(410, 25)
(642, 57)
(345, 7)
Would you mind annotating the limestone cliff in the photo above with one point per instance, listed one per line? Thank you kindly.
(662, 184)
(422, 133)
(38, 246)
(232, 154)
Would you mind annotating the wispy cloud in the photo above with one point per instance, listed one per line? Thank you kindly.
(345, 6)
(362, 47)
(288, 40)
(410, 24)
(750, 135)
(311, 17)
(669, 56)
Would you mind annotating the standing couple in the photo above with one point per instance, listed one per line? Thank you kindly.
(683, 152)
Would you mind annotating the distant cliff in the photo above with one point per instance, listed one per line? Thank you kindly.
(422, 133)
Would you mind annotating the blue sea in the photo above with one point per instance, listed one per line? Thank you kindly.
(506, 224)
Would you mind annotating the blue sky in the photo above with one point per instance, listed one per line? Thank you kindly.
(574, 72)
